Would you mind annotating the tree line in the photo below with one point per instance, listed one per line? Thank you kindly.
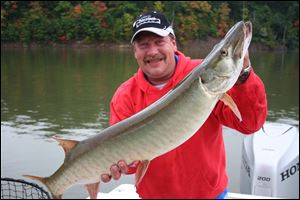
(275, 22)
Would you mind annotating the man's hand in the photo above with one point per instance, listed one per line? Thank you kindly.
(116, 170)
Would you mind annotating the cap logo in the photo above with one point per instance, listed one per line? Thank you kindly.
(145, 20)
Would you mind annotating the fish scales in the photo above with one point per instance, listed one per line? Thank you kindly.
(156, 138)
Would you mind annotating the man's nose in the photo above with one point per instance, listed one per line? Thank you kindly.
(152, 50)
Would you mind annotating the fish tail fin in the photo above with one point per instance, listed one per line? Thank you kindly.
(44, 181)
(38, 178)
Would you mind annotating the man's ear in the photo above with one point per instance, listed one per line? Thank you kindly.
(173, 40)
(134, 51)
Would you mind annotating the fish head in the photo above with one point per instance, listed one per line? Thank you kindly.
(222, 67)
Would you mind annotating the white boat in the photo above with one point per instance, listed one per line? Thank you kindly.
(127, 191)
(270, 162)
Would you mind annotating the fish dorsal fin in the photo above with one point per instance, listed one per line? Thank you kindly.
(66, 144)
(227, 100)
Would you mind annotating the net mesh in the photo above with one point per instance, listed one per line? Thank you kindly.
(21, 189)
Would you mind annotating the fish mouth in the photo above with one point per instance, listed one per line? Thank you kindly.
(240, 39)
(243, 43)
(248, 31)
(239, 49)
(248, 35)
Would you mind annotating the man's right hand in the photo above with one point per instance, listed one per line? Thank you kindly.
(116, 170)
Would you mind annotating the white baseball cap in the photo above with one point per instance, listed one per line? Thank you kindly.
(153, 22)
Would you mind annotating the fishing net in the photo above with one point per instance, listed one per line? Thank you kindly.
(21, 189)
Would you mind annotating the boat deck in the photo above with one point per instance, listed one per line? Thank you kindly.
(127, 191)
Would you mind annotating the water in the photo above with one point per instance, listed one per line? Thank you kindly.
(66, 92)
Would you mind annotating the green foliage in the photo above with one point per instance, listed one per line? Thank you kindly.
(35, 24)
(195, 21)
(62, 9)
(159, 6)
(275, 22)
(120, 17)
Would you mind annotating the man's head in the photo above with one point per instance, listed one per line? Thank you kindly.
(154, 46)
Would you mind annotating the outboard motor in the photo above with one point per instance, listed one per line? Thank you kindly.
(270, 162)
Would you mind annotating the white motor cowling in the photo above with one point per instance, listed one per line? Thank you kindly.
(270, 162)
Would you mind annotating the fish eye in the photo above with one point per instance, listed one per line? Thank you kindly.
(223, 52)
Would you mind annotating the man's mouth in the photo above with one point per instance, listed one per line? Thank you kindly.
(154, 59)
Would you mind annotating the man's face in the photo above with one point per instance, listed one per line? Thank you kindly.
(155, 56)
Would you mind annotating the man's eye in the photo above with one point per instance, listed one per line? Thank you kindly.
(160, 42)
(143, 45)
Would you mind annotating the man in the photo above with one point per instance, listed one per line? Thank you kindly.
(195, 169)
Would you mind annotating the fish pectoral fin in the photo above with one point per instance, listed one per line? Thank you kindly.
(66, 144)
(141, 170)
(93, 189)
(227, 100)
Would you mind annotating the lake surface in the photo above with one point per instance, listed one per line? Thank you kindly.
(66, 92)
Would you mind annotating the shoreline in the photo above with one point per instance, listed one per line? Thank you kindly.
(206, 44)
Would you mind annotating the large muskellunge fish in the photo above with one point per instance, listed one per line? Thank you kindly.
(162, 126)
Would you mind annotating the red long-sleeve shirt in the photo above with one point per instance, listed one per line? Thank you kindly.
(195, 169)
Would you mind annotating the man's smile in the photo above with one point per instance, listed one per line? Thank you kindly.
(153, 60)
